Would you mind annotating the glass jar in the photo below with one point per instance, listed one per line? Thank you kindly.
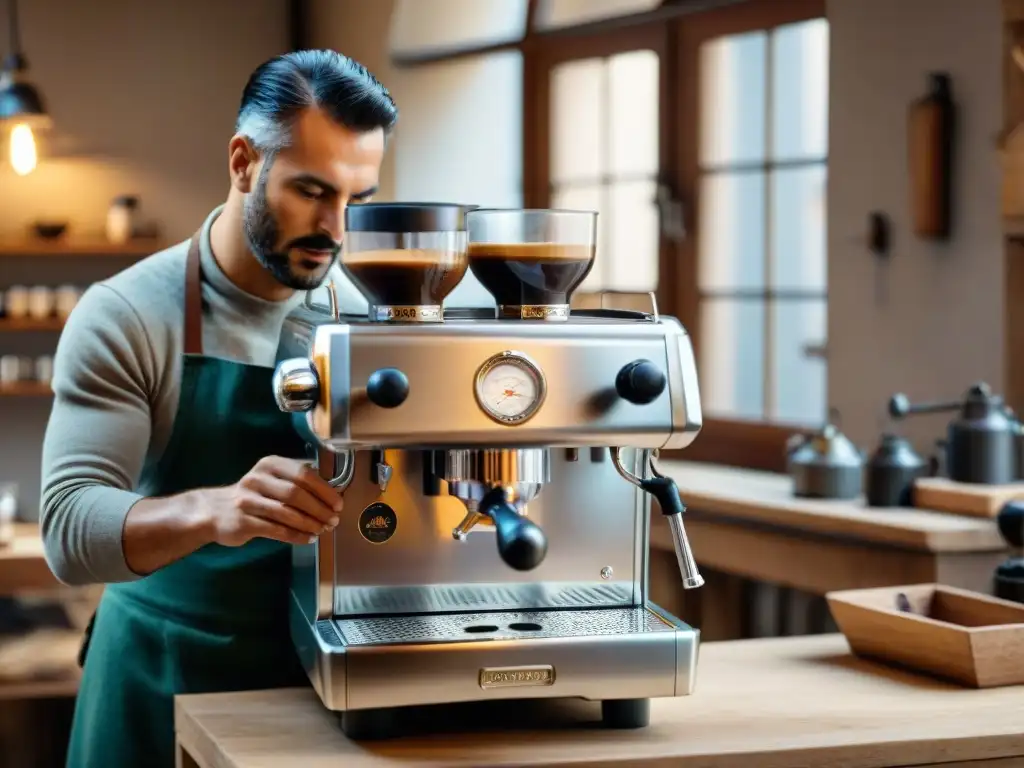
(405, 258)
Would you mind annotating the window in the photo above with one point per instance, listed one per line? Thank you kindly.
(761, 234)
(604, 157)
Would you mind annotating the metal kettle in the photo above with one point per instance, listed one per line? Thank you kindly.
(980, 442)
(891, 472)
(1017, 427)
(825, 464)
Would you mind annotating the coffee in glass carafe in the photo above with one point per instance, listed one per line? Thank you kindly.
(531, 261)
(405, 258)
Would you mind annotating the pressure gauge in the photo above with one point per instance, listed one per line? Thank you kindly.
(510, 387)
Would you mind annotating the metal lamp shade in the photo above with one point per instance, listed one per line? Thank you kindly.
(20, 100)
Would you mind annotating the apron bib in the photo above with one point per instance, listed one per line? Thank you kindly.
(216, 620)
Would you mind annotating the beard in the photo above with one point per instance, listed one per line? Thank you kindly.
(263, 237)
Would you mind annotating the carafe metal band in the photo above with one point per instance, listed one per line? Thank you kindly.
(414, 314)
(555, 312)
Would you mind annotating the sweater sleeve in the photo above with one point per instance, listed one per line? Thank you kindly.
(97, 438)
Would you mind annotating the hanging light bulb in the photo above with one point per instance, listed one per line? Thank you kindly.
(23, 155)
(21, 105)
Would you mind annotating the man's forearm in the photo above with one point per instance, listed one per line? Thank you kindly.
(160, 531)
(82, 526)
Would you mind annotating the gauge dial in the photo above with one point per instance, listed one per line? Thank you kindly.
(510, 388)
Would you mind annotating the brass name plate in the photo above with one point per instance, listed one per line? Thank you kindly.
(516, 677)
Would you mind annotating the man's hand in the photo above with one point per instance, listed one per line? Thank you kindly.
(281, 499)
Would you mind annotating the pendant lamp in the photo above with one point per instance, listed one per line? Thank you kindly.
(21, 105)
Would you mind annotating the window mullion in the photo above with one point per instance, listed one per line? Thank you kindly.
(769, 304)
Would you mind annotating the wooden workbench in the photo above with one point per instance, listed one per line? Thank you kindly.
(759, 703)
(769, 557)
(22, 564)
(35, 711)
(749, 524)
(23, 569)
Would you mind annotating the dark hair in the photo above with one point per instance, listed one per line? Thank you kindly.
(279, 89)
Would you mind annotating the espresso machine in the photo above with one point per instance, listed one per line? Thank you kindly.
(498, 466)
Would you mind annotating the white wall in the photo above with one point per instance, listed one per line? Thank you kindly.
(143, 97)
(459, 133)
(359, 29)
(940, 324)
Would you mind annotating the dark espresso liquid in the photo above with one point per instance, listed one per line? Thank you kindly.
(518, 274)
(405, 277)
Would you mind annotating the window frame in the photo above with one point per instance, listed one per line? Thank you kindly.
(675, 31)
(652, 36)
(757, 444)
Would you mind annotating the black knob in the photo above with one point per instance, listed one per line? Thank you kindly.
(1010, 521)
(387, 387)
(640, 382)
(899, 406)
(521, 543)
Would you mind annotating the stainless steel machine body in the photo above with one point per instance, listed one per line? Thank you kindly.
(408, 602)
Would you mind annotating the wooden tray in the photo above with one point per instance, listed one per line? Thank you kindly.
(955, 634)
(940, 494)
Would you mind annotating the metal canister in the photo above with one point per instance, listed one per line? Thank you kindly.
(891, 473)
(982, 441)
(825, 465)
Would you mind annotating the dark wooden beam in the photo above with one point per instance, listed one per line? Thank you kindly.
(298, 24)
(451, 54)
(664, 13)
(531, 16)
(1013, 313)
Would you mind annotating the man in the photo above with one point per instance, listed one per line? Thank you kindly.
(168, 472)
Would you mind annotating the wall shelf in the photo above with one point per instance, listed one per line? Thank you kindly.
(25, 389)
(31, 324)
(80, 248)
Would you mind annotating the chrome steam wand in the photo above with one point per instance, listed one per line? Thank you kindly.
(664, 489)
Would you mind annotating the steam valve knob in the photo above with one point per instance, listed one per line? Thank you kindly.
(899, 406)
(387, 387)
(1010, 521)
(296, 385)
(640, 382)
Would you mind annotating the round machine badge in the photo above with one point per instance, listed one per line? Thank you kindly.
(377, 523)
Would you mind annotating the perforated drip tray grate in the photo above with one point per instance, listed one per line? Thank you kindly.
(499, 626)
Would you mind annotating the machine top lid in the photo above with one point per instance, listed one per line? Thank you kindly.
(406, 217)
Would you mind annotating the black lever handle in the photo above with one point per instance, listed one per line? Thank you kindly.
(387, 387)
(521, 543)
(640, 382)
(665, 490)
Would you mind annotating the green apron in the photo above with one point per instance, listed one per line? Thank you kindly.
(216, 620)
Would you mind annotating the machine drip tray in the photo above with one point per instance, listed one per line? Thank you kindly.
(511, 625)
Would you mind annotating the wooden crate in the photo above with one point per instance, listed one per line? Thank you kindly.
(954, 634)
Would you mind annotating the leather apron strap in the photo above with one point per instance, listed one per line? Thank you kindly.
(194, 297)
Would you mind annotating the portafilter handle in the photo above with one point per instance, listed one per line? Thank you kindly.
(521, 543)
(665, 490)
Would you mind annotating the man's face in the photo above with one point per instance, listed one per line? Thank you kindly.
(295, 213)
